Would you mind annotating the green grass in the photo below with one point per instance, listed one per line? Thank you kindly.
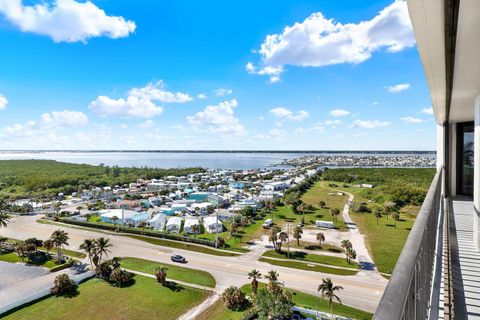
(303, 256)
(97, 299)
(320, 192)
(309, 267)
(218, 311)
(309, 301)
(174, 272)
(12, 257)
(66, 252)
(182, 245)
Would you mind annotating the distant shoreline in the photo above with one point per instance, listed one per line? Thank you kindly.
(227, 151)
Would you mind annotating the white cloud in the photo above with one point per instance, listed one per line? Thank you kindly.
(66, 20)
(411, 120)
(370, 124)
(222, 92)
(130, 107)
(218, 119)
(398, 88)
(318, 41)
(285, 114)
(202, 96)
(332, 123)
(339, 113)
(65, 118)
(3, 102)
(147, 124)
(427, 111)
(156, 91)
(375, 103)
(140, 102)
(273, 72)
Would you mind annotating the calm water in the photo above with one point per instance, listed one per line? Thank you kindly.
(212, 160)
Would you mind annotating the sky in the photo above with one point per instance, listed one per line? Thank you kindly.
(211, 75)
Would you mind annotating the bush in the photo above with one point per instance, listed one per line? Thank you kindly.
(63, 285)
(105, 269)
(120, 277)
(68, 264)
(233, 298)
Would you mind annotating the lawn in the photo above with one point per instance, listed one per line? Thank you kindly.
(182, 245)
(218, 311)
(312, 302)
(303, 256)
(12, 257)
(174, 272)
(320, 192)
(97, 299)
(309, 267)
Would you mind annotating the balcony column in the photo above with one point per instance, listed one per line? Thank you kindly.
(476, 177)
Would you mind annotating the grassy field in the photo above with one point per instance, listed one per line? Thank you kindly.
(12, 257)
(303, 256)
(322, 192)
(309, 267)
(406, 187)
(174, 272)
(97, 299)
(218, 311)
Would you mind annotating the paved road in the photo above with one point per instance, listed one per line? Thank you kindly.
(360, 291)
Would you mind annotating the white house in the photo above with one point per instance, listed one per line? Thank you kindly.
(173, 224)
(189, 223)
(212, 225)
(201, 208)
(121, 214)
(158, 221)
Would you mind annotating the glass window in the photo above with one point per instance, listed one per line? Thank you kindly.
(465, 158)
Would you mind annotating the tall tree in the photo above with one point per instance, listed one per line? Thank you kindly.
(327, 291)
(102, 247)
(297, 234)
(320, 238)
(59, 239)
(90, 248)
(254, 275)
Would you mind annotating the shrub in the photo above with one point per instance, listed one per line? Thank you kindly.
(68, 264)
(120, 277)
(233, 298)
(63, 285)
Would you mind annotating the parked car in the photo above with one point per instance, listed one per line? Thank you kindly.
(178, 258)
(268, 224)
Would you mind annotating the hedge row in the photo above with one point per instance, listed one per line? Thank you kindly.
(148, 233)
(67, 264)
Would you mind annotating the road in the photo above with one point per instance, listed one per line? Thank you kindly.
(362, 291)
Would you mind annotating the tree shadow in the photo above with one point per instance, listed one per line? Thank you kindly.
(173, 286)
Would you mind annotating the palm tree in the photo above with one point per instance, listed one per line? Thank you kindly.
(327, 291)
(161, 274)
(297, 234)
(195, 229)
(272, 277)
(378, 213)
(283, 237)
(320, 238)
(48, 245)
(102, 247)
(142, 225)
(4, 220)
(59, 239)
(334, 212)
(254, 275)
(351, 254)
(396, 217)
(90, 248)
(346, 244)
(114, 219)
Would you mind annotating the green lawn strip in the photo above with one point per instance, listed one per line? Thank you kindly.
(97, 299)
(66, 252)
(12, 257)
(311, 246)
(174, 272)
(218, 311)
(311, 302)
(182, 245)
(156, 241)
(300, 255)
(310, 267)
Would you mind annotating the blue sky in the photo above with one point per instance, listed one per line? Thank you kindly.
(321, 75)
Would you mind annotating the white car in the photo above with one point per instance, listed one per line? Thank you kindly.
(268, 223)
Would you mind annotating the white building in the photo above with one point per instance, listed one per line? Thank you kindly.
(173, 224)
(212, 225)
(158, 221)
(189, 223)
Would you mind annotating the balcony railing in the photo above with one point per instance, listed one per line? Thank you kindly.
(408, 292)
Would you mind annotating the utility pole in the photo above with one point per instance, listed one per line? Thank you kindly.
(288, 240)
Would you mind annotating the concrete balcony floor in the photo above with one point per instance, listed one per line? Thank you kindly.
(465, 261)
